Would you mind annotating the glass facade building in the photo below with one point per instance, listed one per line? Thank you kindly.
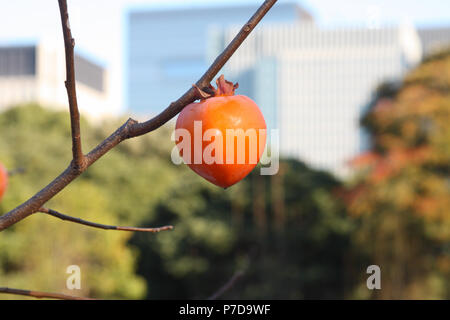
(168, 50)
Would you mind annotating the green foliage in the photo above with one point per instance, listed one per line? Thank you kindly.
(221, 232)
(35, 253)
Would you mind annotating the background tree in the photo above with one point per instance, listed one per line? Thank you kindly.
(401, 198)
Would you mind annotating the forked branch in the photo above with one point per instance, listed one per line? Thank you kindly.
(69, 44)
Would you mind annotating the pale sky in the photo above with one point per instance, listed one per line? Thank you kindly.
(98, 25)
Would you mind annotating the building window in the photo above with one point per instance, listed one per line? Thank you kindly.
(17, 61)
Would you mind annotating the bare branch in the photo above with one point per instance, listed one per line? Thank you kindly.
(69, 44)
(101, 226)
(15, 171)
(40, 295)
(132, 128)
(227, 286)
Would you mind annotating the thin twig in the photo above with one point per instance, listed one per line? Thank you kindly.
(40, 295)
(99, 225)
(15, 171)
(132, 128)
(227, 286)
(69, 44)
(203, 83)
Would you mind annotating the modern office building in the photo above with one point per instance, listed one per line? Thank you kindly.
(312, 84)
(168, 49)
(434, 39)
(36, 73)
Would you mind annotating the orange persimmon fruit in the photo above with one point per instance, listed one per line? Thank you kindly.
(227, 134)
(3, 180)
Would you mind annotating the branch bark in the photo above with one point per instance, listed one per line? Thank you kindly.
(61, 216)
(129, 129)
(69, 45)
(40, 295)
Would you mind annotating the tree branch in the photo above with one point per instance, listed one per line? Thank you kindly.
(227, 286)
(98, 225)
(69, 44)
(15, 171)
(40, 295)
(131, 128)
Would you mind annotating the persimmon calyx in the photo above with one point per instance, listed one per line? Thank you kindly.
(224, 88)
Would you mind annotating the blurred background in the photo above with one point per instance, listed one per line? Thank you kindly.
(359, 92)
